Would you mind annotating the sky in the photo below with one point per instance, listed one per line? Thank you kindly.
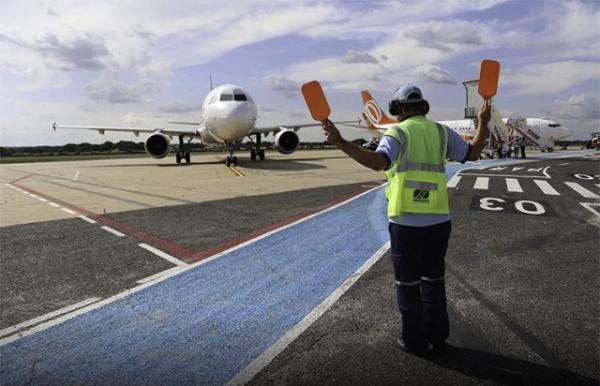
(144, 63)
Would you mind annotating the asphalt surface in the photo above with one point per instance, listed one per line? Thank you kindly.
(522, 290)
(50, 265)
(522, 278)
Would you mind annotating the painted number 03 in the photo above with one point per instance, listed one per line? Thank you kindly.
(524, 206)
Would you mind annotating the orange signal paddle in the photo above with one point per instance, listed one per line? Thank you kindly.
(316, 101)
(488, 78)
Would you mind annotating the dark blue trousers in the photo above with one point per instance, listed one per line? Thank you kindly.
(418, 255)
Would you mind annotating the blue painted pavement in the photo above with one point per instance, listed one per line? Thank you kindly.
(205, 325)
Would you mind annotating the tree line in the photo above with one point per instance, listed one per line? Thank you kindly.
(120, 147)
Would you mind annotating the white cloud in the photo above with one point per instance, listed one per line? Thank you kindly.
(551, 77)
(282, 84)
(108, 88)
(434, 74)
(359, 57)
(577, 107)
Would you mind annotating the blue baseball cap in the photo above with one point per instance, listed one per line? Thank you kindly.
(408, 94)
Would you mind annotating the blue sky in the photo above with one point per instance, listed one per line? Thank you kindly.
(145, 63)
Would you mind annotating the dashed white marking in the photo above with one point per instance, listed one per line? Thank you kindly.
(76, 175)
(42, 199)
(453, 181)
(563, 164)
(512, 184)
(54, 204)
(113, 231)
(85, 218)
(166, 276)
(267, 356)
(159, 275)
(40, 319)
(33, 195)
(160, 253)
(598, 185)
(581, 190)
(68, 210)
(482, 183)
(546, 188)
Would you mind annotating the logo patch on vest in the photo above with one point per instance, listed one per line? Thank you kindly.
(421, 195)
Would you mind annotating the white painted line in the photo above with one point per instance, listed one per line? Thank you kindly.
(159, 275)
(76, 175)
(598, 185)
(267, 356)
(33, 195)
(589, 206)
(545, 171)
(581, 190)
(166, 276)
(453, 181)
(42, 199)
(113, 231)
(39, 319)
(160, 253)
(563, 164)
(54, 204)
(85, 218)
(68, 210)
(512, 184)
(546, 188)
(482, 183)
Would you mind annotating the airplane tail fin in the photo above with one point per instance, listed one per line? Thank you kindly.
(373, 113)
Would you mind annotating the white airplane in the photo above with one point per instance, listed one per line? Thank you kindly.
(228, 116)
(540, 130)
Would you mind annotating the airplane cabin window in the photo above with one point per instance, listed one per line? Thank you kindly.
(226, 97)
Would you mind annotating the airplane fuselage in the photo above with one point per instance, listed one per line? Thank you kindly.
(228, 114)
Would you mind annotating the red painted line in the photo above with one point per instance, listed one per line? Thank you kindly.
(19, 179)
(166, 245)
(181, 252)
(249, 236)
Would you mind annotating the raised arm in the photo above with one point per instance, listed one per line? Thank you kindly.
(365, 157)
(478, 141)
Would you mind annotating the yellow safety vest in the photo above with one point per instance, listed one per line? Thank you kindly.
(417, 177)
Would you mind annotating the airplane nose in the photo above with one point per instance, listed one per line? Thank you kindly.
(566, 132)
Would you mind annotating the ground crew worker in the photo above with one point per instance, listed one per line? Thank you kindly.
(413, 155)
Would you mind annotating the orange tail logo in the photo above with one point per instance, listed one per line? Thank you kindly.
(373, 112)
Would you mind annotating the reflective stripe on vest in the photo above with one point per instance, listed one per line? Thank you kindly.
(417, 176)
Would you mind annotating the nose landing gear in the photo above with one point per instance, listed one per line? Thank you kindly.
(231, 159)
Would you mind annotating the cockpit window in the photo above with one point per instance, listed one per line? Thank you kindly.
(226, 97)
(239, 95)
(554, 125)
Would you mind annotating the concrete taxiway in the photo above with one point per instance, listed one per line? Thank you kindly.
(234, 283)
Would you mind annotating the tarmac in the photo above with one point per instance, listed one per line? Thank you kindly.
(278, 273)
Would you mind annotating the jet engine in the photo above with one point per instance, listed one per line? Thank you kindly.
(286, 141)
(157, 145)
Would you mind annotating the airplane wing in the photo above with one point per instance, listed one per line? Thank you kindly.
(275, 129)
(135, 130)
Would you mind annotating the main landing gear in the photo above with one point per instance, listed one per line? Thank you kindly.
(182, 154)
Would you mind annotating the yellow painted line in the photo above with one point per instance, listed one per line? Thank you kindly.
(237, 171)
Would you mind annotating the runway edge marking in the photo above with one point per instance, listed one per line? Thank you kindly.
(114, 298)
(32, 322)
(268, 355)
